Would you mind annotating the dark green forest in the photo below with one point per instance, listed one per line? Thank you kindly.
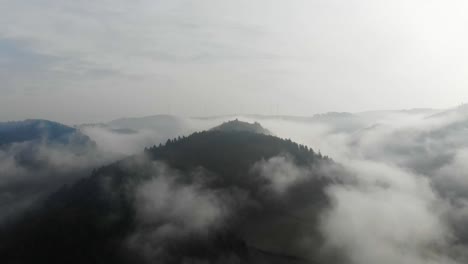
(91, 221)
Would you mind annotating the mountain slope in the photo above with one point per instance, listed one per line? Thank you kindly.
(215, 196)
(164, 124)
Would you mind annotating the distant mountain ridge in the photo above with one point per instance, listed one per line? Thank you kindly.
(461, 110)
(32, 129)
(160, 123)
(320, 116)
(41, 130)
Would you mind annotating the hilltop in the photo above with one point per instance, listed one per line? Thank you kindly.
(215, 195)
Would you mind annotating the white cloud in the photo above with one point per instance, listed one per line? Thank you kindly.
(281, 172)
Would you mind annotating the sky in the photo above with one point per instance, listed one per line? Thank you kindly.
(91, 61)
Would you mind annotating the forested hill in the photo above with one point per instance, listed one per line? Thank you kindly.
(213, 195)
(228, 152)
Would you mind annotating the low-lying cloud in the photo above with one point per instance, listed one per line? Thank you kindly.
(403, 196)
(387, 216)
(398, 194)
(31, 170)
(404, 200)
(190, 207)
(281, 172)
(171, 209)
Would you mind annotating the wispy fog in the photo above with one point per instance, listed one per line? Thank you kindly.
(406, 202)
(404, 196)
(396, 194)
(32, 170)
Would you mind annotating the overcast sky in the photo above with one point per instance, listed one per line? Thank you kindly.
(94, 60)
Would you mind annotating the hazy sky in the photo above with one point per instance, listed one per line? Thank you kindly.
(93, 60)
